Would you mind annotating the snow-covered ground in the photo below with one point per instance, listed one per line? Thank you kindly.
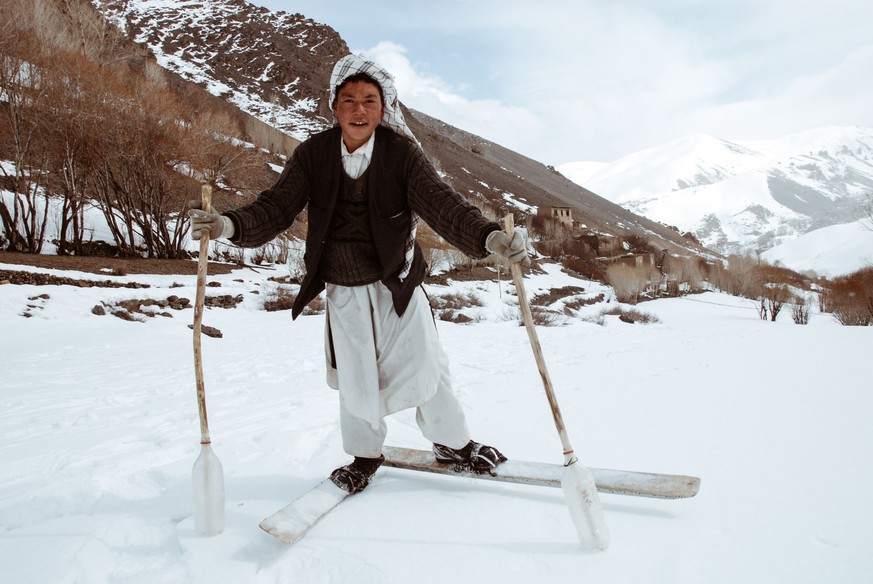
(99, 431)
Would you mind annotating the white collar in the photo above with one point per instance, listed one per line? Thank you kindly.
(355, 163)
(365, 150)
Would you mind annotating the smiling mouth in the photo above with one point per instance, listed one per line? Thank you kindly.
(359, 124)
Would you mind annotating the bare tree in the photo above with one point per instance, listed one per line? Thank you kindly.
(555, 237)
(743, 278)
(70, 115)
(152, 147)
(110, 134)
(124, 147)
(76, 26)
(628, 282)
(800, 310)
(850, 298)
(211, 151)
(681, 271)
(776, 296)
(136, 189)
(762, 308)
(23, 85)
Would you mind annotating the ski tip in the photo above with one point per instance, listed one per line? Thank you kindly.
(284, 536)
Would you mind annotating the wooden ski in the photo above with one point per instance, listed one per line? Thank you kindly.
(618, 482)
(294, 520)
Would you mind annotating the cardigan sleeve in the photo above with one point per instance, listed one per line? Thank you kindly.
(448, 213)
(275, 208)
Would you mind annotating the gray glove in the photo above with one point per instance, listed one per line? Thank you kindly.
(213, 223)
(512, 248)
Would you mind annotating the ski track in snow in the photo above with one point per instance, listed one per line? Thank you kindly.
(99, 430)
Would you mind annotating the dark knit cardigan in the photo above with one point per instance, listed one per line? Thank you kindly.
(401, 180)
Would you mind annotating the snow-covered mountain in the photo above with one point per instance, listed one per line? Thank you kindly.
(743, 196)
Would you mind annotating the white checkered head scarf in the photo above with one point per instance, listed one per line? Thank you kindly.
(392, 118)
(352, 65)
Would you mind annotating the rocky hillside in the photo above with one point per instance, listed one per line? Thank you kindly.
(271, 65)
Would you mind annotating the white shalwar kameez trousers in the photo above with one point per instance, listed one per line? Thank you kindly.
(386, 363)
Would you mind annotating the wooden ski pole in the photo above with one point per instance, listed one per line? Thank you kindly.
(577, 482)
(208, 474)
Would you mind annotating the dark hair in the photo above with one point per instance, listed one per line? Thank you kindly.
(354, 79)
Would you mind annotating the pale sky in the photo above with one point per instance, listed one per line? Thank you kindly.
(563, 81)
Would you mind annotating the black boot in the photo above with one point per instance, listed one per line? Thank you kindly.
(473, 457)
(355, 477)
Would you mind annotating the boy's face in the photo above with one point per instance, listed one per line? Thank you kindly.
(358, 108)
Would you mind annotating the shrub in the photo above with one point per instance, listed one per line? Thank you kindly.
(544, 317)
(629, 282)
(630, 316)
(635, 243)
(850, 298)
(316, 306)
(448, 306)
(262, 255)
(280, 299)
(682, 271)
(748, 277)
(776, 296)
(800, 310)
(587, 267)
(578, 303)
(555, 294)
(274, 252)
(232, 255)
(850, 314)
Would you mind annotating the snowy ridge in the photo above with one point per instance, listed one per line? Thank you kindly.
(746, 196)
(234, 50)
(830, 251)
